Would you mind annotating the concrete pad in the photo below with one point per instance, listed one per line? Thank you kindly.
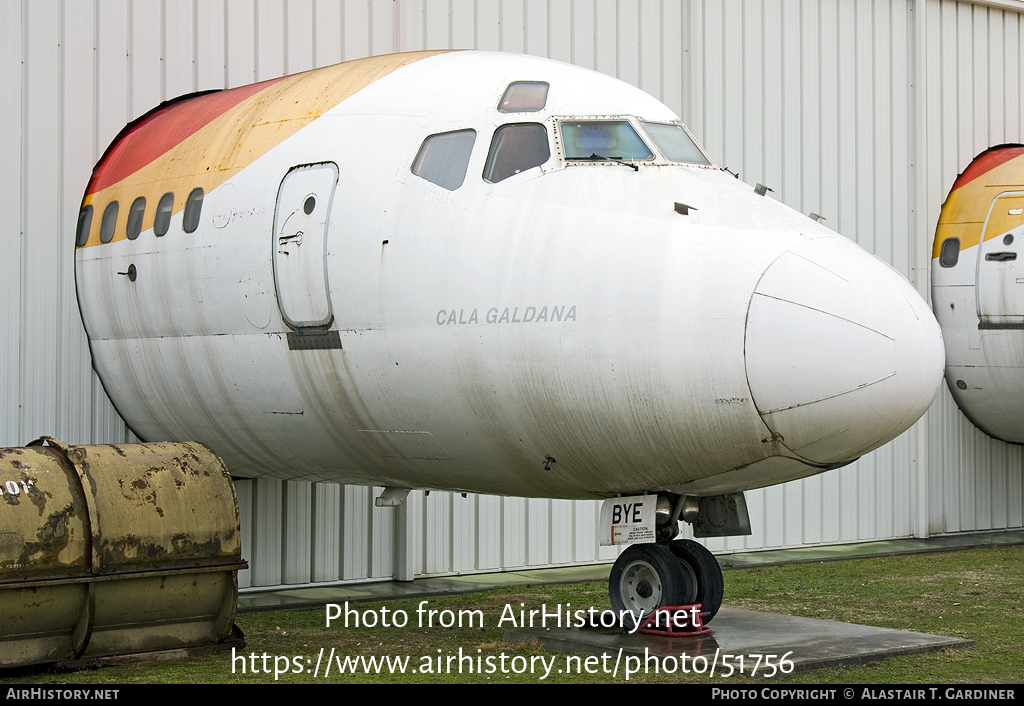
(807, 643)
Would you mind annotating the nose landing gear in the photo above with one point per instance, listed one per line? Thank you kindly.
(657, 569)
(648, 576)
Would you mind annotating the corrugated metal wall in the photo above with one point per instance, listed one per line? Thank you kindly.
(863, 112)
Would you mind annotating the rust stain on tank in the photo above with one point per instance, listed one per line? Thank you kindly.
(141, 490)
(55, 529)
(132, 547)
(53, 538)
(87, 472)
(181, 547)
(213, 546)
(182, 464)
(37, 496)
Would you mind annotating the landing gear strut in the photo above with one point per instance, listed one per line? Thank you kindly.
(648, 576)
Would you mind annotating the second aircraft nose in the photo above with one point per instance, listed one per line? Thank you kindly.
(842, 354)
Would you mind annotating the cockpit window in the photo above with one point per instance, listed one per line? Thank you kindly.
(610, 139)
(524, 97)
(443, 158)
(515, 148)
(675, 143)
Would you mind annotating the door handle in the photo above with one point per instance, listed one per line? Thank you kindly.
(1000, 256)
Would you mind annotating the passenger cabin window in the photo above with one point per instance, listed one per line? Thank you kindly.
(444, 158)
(84, 225)
(524, 97)
(162, 220)
(950, 253)
(109, 222)
(675, 143)
(135, 214)
(515, 148)
(193, 207)
(603, 139)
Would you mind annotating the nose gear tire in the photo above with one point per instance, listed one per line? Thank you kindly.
(648, 576)
(704, 566)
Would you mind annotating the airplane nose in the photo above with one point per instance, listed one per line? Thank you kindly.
(842, 353)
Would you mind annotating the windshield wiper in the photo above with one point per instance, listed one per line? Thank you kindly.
(596, 156)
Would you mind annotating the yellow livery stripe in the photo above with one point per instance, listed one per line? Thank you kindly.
(963, 214)
(234, 139)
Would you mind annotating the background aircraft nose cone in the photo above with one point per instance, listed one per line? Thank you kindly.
(842, 354)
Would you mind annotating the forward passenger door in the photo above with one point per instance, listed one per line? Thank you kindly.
(1000, 272)
(301, 219)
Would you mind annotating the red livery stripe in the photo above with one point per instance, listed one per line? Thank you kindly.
(161, 129)
(986, 162)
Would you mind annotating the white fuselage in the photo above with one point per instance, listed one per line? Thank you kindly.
(978, 291)
(568, 312)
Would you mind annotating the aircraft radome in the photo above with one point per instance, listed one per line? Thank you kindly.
(493, 273)
(978, 291)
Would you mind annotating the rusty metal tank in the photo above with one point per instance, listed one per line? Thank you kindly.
(114, 550)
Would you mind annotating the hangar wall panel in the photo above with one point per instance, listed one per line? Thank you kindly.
(863, 112)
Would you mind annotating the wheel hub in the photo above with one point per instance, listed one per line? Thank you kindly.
(641, 587)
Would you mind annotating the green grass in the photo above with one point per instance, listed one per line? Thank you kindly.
(974, 594)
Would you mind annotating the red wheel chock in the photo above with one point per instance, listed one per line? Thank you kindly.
(676, 620)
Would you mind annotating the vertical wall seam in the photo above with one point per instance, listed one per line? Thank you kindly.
(257, 76)
(368, 554)
(22, 224)
(618, 41)
(128, 62)
(662, 46)
(195, 45)
(284, 37)
(919, 270)
(572, 33)
(744, 167)
(227, 46)
(64, 366)
(450, 559)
